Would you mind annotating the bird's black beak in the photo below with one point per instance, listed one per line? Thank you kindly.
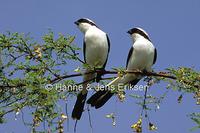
(129, 32)
(77, 23)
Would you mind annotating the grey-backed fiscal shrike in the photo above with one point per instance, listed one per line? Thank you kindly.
(96, 47)
(142, 56)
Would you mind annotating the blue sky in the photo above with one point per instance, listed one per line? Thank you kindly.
(173, 27)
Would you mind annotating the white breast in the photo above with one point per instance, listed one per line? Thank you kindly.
(96, 47)
(142, 56)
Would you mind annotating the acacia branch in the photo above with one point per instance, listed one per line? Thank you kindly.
(75, 54)
(103, 72)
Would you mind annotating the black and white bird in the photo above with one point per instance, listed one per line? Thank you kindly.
(96, 48)
(142, 56)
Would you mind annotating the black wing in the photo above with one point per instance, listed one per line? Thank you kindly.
(155, 56)
(84, 50)
(129, 56)
(108, 41)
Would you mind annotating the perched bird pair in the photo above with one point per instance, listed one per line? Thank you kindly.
(96, 47)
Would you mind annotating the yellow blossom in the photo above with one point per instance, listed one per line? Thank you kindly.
(63, 116)
(152, 127)
(137, 126)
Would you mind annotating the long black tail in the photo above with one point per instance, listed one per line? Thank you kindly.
(79, 106)
(100, 98)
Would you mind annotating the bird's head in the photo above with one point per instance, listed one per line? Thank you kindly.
(84, 24)
(138, 32)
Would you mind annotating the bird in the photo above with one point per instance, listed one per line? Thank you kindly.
(96, 47)
(142, 55)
